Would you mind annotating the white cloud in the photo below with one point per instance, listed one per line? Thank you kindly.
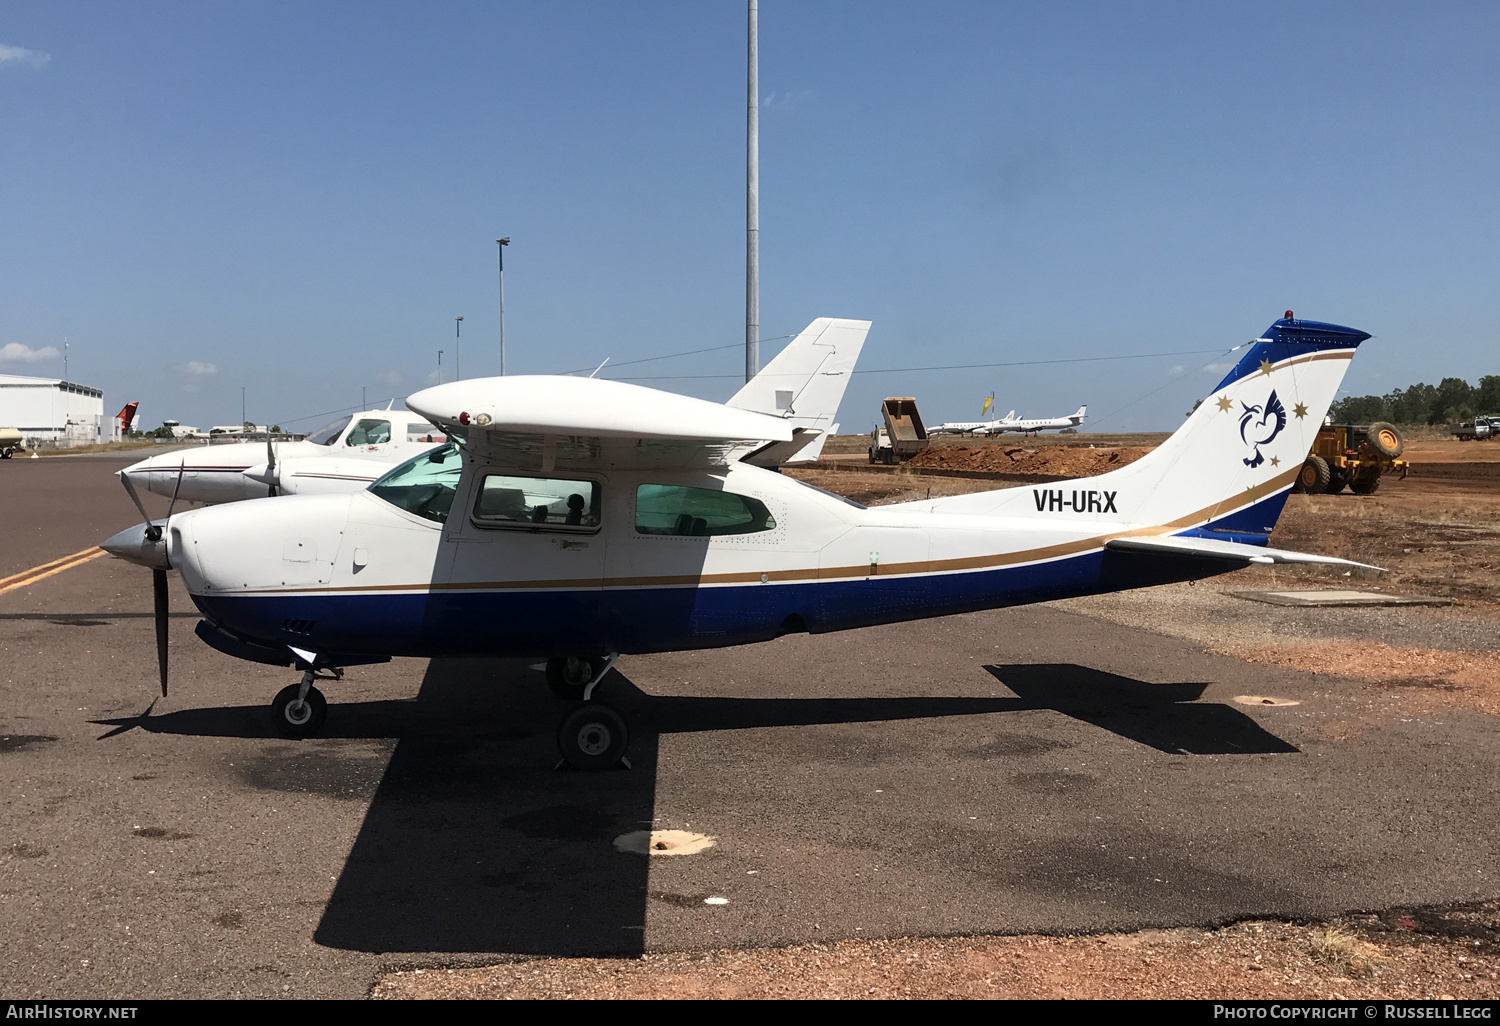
(17, 353)
(1218, 368)
(20, 57)
(433, 378)
(1177, 371)
(390, 377)
(784, 100)
(193, 372)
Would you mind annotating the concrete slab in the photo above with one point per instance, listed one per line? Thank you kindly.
(1339, 598)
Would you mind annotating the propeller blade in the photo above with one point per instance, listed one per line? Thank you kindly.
(159, 588)
(134, 497)
(175, 489)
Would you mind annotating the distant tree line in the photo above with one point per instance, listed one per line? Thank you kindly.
(1452, 400)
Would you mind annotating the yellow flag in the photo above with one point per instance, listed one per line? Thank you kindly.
(987, 401)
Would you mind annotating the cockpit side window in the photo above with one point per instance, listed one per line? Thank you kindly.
(425, 484)
(369, 432)
(536, 503)
(698, 512)
(328, 434)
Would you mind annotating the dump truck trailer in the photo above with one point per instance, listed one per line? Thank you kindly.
(903, 435)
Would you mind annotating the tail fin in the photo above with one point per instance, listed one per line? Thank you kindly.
(1228, 469)
(805, 383)
(1080, 415)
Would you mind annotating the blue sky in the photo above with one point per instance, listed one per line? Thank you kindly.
(298, 199)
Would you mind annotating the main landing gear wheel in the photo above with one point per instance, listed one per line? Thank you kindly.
(298, 717)
(567, 676)
(592, 737)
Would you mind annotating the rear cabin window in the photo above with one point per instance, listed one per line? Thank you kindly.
(537, 503)
(698, 512)
(424, 433)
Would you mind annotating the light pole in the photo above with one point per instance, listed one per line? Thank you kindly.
(752, 198)
(458, 367)
(440, 366)
(242, 409)
(502, 243)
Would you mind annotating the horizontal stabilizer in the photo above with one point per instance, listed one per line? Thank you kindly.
(1207, 548)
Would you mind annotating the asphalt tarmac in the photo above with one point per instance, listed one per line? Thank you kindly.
(1028, 770)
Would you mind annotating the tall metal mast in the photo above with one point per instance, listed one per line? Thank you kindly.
(752, 205)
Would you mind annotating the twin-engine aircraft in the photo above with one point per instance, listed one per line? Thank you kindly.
(350, 453)
(1014, 425)
(580, 520)
(974, 427)
(346, 455)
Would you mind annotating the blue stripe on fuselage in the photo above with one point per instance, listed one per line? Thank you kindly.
(514, 623)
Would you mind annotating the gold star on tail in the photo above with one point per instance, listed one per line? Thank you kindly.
(1275, 461)
(1224, 403)
(1300, 411)
(1265, 366)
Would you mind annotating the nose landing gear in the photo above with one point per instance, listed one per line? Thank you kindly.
(298, 710)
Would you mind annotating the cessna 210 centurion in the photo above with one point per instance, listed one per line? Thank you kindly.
(582, 519)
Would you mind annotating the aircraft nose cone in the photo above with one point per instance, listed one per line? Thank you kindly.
(143, 545)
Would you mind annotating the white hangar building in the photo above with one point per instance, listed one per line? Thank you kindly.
(50, 410)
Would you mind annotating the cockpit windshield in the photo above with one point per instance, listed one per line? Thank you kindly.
(329, 434)
(425, 484)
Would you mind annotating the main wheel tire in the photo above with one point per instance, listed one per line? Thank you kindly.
(1338, 480)
(1312, 479)
(567, 676)
(1385, 439)
(592, 737)
(298, 719)
(1365, 485)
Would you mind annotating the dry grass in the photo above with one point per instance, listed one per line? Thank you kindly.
(1340, 952)
(1247, 961)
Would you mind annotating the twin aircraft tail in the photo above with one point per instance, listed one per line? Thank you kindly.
(805, 383)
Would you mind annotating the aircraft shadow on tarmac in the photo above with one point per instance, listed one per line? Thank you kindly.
(1167, 717)
(474, 843)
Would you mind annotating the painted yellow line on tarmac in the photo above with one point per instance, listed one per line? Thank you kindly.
(57, 566)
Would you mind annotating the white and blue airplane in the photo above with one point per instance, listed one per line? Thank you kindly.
(580, 520)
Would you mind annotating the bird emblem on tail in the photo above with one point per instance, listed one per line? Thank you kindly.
(1259, 426)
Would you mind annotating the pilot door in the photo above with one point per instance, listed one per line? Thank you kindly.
(522, 564)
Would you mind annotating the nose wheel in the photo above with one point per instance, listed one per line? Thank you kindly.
(296, 714)
(298, 710)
